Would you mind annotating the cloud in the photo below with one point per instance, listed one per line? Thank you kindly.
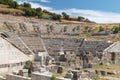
(35, 5)
(44, 0)
(94, 15)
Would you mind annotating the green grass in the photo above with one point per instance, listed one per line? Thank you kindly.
(57, 75)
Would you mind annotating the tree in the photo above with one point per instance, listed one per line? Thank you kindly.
(59, 17)
(27, 5)
(33, 10)
(39, 12)
(13, 4)
(56, 16)
(38, 9)
(28, 12)
(2, 2)
(80, 18)
(65, 16)
(39, 15)
(27, 64)
(115, 29)
(101, 28)
(63, 13)
(87, 20)
(6, 1)
(45, 11)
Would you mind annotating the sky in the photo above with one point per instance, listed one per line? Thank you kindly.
(100, 11)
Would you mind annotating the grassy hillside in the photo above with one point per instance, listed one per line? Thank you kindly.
(25, 9)
(4, 9)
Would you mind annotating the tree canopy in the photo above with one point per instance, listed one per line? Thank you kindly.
(65, 15)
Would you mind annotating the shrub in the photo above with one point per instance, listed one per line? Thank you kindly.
(52, 78)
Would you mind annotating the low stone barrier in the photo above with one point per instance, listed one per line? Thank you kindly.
(39, 76)
(16, 77)
(2, 78)
(35, 76)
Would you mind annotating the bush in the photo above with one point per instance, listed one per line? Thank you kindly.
(52, 78)
(80, 18)
(66, 16)
(13, 4)
(101, 28)
(97, 78)
(27, 5)
(56, 16)
(27, 64)
(115, 29)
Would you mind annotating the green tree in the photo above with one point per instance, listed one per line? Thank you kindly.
(101, 28)
(39, 15)
(13, 4)
(56, 16)
(80, 18)
(33, 10)
(39, 12)
(27, 12)
(2, 2)
(27, 5)
(115, 29)
(6, 1)
(66, 16)
(45, 11)
(27, 64)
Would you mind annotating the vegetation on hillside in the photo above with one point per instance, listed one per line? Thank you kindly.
(39, 13)
(11, 3)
